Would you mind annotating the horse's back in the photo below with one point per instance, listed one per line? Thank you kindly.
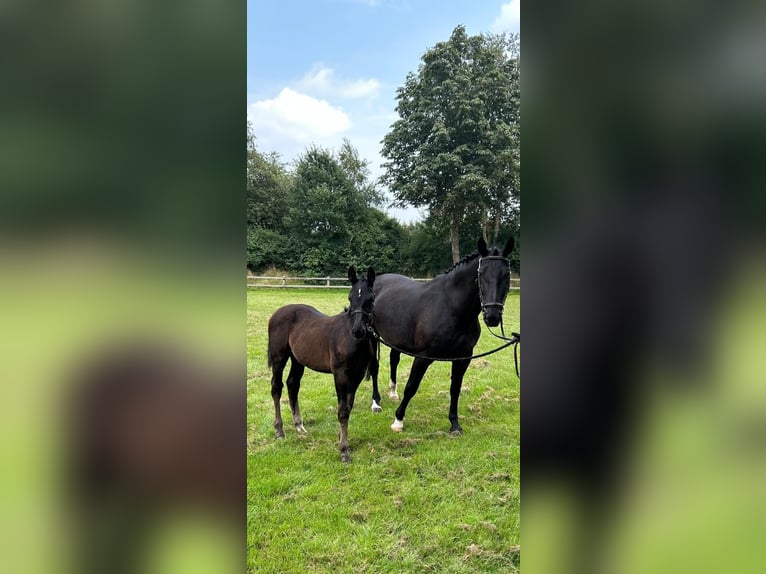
(393, 290)
(293, 313)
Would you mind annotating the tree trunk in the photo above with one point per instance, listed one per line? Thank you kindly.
(454, 236)
(485, 224)
(497, 227)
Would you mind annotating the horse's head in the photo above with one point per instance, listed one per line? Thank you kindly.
(361, 300)
(494, 279)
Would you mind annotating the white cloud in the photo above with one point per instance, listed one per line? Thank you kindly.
(321, 80)
(509, 19)
(297, 117)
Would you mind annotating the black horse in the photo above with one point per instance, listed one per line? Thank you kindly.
(340, 345)
(439, 320)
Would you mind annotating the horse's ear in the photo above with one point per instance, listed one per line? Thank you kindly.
(370, 277)
(483, 247)
(508, 247)
(352, 278)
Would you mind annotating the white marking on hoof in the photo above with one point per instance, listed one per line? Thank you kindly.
(376, 408)
(397, 426)
(392, 394)
(300, 429)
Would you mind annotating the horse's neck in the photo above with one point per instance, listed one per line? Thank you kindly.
(461, 283)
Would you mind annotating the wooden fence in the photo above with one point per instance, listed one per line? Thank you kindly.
(254, 281)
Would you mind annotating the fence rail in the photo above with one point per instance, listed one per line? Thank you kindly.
(254, 281)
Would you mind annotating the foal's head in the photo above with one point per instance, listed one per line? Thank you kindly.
(494, 279)
(361, 301)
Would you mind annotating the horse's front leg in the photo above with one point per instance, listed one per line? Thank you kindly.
(394, 361)
(458, 371)
(418, 370)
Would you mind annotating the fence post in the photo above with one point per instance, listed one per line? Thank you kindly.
(284, 281)
(327, 284)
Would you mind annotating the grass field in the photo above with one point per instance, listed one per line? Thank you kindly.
(417, 501)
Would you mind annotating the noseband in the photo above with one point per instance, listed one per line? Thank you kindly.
(485, 304)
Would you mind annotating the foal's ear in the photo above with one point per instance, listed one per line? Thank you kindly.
(352, 278)
(508, 247)
(370, 277)
(483, 247)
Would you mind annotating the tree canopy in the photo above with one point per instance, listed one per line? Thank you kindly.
(455, 147)
(454, 150)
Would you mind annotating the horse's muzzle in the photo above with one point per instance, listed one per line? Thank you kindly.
(492, 317)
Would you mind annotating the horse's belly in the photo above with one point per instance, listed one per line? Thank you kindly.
(313, 356)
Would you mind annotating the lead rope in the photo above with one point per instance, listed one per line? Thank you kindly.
(375, 334)
(514, 340)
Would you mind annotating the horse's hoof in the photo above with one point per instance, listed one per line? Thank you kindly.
(300, 429)
(344, 457)
(394, 396)
(376, 408)
(397, 425)
(456, 431)
(280, 435)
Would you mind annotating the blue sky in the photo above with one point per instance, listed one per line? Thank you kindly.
(322, 70)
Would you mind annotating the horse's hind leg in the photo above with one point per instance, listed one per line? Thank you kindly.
(392, 394)
(293, 387)
(277, 367)
(374, 368)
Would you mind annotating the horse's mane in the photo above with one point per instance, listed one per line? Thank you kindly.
(470, 257)
(465, 259)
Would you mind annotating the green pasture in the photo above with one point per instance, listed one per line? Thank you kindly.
(417, 501)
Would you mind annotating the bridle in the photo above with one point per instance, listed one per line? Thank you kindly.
(515, 338)
(366, 315)
(485, 304)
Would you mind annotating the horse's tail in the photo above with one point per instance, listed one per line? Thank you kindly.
(374, 357)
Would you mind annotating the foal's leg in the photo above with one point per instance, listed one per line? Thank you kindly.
(277, 366)
(458, 371)
(392, 394)
(344, 411)
(293, 387)
(419, 368)
(374, 368)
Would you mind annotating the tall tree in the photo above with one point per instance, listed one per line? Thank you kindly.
(323, 207)
(451, 150)
(357, 170)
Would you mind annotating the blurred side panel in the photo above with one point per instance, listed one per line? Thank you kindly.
(642, 399)
(122, 133)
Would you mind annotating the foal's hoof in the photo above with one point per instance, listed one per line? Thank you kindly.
(280, 434)
(300, 429)
(397, 425)
(345, 457)
(376, 408)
